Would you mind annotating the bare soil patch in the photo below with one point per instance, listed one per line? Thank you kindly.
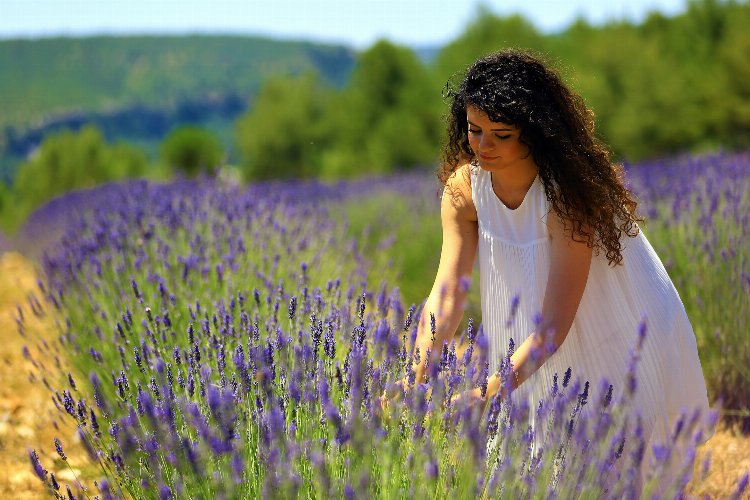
(28, 417)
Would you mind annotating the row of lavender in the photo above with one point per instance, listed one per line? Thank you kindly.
(233, 342)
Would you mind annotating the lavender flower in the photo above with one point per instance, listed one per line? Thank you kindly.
(40, 471)
(433, 327)
(742, 485)
(292, 307)
(59, 449)
(280, 399)
(165, 492)
(238, 468)
(53, 481)
(566, 378)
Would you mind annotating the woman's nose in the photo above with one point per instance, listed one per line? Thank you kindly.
(485, 143)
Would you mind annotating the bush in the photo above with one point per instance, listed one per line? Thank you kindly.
(192, 151)
(72, 160)
(282, 137)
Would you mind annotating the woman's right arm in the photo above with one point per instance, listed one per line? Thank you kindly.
(448, 295)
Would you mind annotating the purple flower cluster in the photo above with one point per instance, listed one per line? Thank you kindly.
(234, 342)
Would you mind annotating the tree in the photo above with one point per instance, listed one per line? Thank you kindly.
(732, 54)
(71, 160)
(282, 135)
(387, 118)
(486, 34)
(192, 150)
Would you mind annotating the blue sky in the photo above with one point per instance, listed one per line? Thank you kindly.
(357, 23)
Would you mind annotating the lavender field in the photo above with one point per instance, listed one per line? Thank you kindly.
(226, 341)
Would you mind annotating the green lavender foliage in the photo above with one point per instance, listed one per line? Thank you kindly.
(171, 272)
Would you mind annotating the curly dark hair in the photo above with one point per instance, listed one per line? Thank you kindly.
(584, 187)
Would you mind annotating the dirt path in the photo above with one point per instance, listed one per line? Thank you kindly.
(28, 418)
(730, 457)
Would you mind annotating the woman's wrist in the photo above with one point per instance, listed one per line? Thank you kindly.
(493, 385)
(496, 383)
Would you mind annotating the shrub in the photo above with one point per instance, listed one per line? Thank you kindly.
(192, 151)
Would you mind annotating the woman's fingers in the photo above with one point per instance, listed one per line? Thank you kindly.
(381, 408)
(470, 398)
(391, 394)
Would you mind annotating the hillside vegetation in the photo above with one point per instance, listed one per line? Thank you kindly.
(53, 75)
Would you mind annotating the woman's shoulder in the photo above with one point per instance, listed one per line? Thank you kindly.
(458, 192)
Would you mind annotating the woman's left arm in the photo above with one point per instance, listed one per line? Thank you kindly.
(570, 261)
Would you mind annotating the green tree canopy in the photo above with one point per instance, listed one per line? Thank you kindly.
(663, 86)
(388, 117)
(3, 197)
(487, 33)
(282, 135)
(72, 160)
(192, 150)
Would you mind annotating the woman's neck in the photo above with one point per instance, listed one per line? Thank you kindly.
(515, 182)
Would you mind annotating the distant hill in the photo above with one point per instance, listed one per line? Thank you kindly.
(138, 87)
(46, 77)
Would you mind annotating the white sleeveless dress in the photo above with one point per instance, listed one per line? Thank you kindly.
(514, 260)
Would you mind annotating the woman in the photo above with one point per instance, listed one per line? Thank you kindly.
(565, 271)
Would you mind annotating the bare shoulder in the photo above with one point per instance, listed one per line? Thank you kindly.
(568, 229)
(457, 197)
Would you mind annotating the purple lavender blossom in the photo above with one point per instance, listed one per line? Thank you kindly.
(742, 485)
(279, 398)
(40, 471)
(53, 481)
(238, 468)
(165, 492)
(59, 449)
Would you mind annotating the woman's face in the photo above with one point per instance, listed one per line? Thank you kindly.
(495, 144)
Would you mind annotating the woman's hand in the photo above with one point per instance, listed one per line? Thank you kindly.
(472, 398)
(393, 393)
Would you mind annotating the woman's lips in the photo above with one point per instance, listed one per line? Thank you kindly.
(485, 157)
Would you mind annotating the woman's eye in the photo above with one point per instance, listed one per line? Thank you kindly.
(502, 136)
(475, 131)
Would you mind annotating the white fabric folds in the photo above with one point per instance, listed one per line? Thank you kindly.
(514, 263)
